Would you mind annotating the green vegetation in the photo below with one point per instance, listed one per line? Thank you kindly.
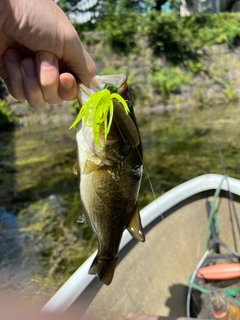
(181, 145)
(36, 164)
(178, 51)
(6, 115)
(177, 146)
(120, 29)
(186, 43)
(3, 91)
(59, 245)
(169, 80)
(184, 38)
(179, 38)
(36, 171)
(231, 92)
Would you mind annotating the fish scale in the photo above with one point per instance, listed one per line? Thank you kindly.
(109, 181)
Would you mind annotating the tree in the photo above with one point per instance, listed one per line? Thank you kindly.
(80, 6)
(229, 5)
(98, 9)
(160, 3)
(120, 24)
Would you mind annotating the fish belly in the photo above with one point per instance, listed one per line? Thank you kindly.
(109, 199)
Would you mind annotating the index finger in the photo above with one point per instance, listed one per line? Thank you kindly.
(80, 62)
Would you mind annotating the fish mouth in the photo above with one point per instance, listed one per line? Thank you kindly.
(98, 83)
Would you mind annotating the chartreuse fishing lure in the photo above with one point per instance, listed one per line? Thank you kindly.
(98, 110)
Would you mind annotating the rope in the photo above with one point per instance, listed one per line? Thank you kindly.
(212, 211)
(214, 219)
(231, 292)
(225, 174)
(228, 291)
(197, 287)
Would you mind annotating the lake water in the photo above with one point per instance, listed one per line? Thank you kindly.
(39, 202)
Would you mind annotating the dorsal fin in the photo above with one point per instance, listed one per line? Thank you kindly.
(90, 167)
(135, 227)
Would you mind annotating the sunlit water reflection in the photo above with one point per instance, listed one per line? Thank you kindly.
(36, 164)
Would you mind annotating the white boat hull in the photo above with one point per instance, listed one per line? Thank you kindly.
(156, 272)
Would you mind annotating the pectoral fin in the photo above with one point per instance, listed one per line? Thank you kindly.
(74, 169)
(81, 219)
(135, 227)
(90, 167)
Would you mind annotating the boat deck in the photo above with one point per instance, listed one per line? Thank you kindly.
(152, 277)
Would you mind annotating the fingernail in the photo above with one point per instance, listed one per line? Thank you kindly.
(12, 56)
(28, 66)
(68, 85)
(46, 59)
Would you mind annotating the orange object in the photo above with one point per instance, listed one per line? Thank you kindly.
(220, 315)
(220, 271)
(234, 312)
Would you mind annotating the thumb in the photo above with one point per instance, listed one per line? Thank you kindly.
(80, 62)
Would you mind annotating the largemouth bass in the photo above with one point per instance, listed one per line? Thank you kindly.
(109, 176)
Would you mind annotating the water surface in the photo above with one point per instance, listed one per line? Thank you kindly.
(43, 244)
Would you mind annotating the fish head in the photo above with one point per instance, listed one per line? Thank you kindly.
(118, 81)
(113, 84)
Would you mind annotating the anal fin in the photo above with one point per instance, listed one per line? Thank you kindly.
(135, 227)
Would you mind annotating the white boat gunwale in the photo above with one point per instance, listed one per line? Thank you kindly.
(150, 215)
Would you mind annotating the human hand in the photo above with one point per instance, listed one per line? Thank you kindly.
(38, 49)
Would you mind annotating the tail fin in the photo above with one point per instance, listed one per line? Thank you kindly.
(104, 267)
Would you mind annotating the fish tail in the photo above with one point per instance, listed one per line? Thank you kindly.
(104, 268)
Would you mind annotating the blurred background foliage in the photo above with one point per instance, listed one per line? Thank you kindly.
(184, 38)
(120, 25)
(7, 119)
(38, 166)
